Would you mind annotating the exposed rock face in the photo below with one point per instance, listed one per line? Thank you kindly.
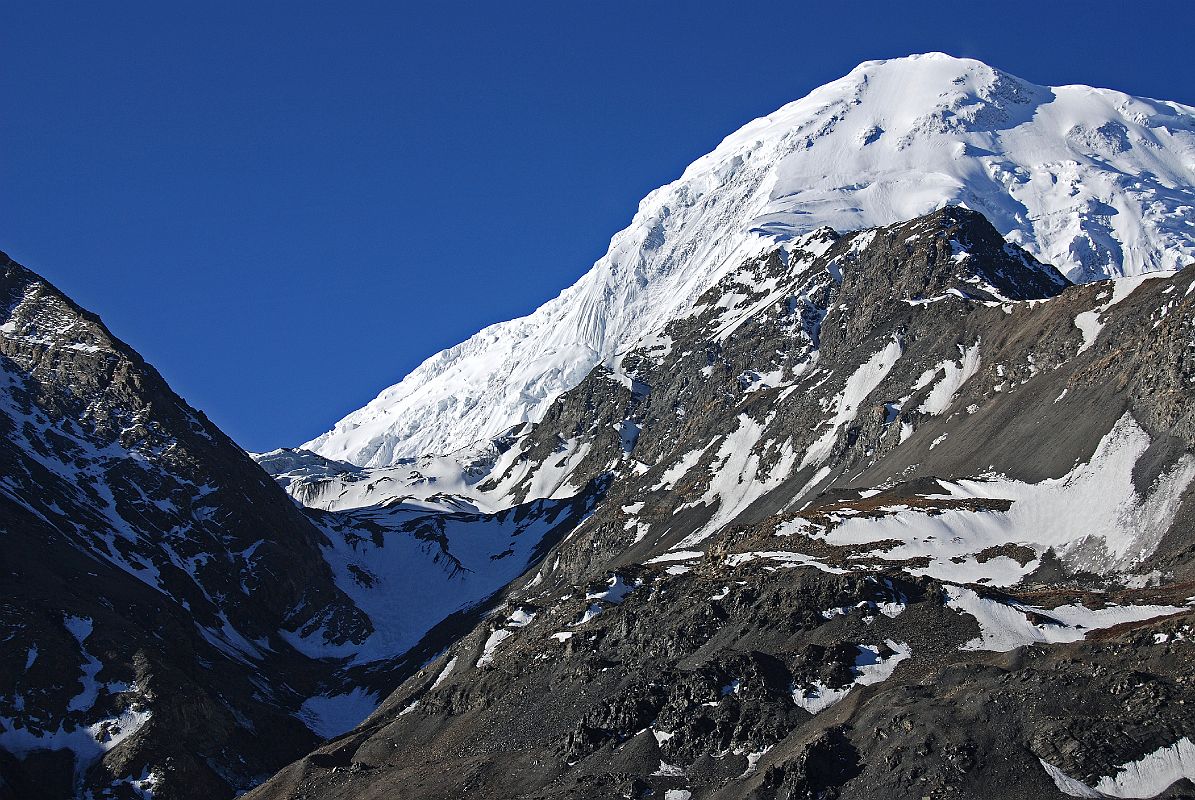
(151, 565)
(713, 682)
(169, 614)
(893, 513)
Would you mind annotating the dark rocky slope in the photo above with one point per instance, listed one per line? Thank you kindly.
(169, 613)
(896, 513)
(150, 565)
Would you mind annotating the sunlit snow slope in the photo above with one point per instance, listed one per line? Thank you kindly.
(1096, 182)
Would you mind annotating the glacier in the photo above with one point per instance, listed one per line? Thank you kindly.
(1097, 182)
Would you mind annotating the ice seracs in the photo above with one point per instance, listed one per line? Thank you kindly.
(1096, 182)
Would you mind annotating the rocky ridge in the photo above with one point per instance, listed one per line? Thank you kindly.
(896, 511)
(173, 623)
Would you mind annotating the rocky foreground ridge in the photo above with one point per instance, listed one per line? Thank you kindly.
(172, 622)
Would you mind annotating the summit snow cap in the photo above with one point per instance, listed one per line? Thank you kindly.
(1095, 182)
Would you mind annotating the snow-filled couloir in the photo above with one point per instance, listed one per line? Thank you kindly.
(1097, 182)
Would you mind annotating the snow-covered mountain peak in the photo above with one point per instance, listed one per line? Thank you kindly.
(1095, 182)
(899, 97)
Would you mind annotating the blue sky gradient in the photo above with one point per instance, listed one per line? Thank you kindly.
(287, 207)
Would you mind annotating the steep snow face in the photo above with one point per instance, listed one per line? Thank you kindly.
(1096, 182)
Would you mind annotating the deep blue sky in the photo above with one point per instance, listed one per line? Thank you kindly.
(287, 207)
